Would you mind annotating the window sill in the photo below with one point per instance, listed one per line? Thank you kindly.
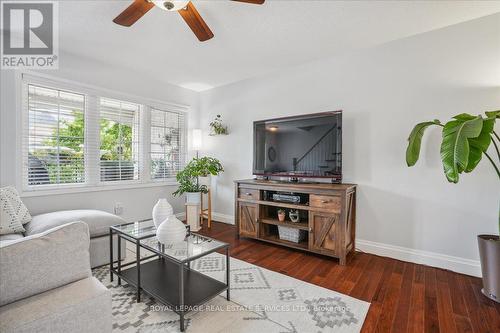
(98, 188)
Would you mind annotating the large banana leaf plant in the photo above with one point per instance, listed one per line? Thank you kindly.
(465, 139)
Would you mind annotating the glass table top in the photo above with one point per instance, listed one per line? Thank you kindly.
(194, 246)
(137, 230)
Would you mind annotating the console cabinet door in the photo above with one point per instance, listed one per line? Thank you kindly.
(323, 232)
(247, 219)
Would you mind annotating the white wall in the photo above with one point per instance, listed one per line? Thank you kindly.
(409, 213)
(137, 203)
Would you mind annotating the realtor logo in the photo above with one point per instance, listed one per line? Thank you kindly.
(29, 35)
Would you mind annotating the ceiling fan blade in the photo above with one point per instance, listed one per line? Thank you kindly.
(133, 12)
(196, 23)
(255, 2)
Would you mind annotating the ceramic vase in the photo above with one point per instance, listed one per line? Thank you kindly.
(172, 230)
(161, 211)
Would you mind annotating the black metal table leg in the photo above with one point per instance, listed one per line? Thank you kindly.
(111, 255)
(138, 263)
(119, 259)
(181, 297)
(228, 270)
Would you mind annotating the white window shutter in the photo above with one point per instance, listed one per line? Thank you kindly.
(168, 143)
(53, 138)
(119, 140)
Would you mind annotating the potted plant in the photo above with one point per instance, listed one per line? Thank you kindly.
(216, 126)
(188, 178)
(465, 139)
(281, 215)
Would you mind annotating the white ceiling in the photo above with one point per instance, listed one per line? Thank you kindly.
(250, 40)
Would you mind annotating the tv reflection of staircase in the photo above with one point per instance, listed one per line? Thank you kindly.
(324, 157)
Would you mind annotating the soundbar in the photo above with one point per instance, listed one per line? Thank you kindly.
(286, 197)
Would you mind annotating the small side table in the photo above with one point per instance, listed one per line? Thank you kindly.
(206, 213)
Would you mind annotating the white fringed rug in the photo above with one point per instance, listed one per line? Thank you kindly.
(261, 301)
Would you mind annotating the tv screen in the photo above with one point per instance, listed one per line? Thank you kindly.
(302, 146)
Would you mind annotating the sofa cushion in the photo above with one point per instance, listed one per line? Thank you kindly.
(98, 221)
(13, 212)
(10, 237)
(44, 261)
(81, 306)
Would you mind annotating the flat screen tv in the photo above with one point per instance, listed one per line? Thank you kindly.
(308, 146)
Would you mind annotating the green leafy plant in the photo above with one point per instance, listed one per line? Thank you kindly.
(197, 167)
(217, 128)
(465, 139)
(281, 211)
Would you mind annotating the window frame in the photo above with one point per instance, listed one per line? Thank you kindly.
(183, 140)
(92, 96)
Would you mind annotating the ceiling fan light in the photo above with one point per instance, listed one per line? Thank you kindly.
(170, 5)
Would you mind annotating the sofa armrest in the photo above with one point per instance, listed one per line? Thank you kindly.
(44, 261)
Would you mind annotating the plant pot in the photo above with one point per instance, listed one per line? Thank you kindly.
(204, 180)
(193, 198)
(281, 217)
(489, 254)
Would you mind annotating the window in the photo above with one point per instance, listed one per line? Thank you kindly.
(119, 138)
(167, 143)
(55, 142)
(76, 136)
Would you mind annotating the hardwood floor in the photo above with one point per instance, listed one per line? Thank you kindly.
(404, 297)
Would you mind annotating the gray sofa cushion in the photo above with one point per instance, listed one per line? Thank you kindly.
(81, 306)
(44, 261)
(10, 237)
(98, 221)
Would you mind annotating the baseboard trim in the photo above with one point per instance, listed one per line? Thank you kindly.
(224, 218)
(455, 264)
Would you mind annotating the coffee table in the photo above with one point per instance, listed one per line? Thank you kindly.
(166, 274)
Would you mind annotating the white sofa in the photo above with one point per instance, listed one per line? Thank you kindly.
(98, 223)
(46, 284)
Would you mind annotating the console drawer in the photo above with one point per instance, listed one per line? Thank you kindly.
(325, 202)
(247, 193)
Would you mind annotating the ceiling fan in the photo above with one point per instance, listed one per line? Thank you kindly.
(186, 8)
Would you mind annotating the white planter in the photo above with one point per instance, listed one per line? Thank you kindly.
(172, 230)
(204, 180)
(161, 211)
(193, 198)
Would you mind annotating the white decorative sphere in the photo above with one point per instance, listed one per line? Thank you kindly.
(172, 230)
(161, 211)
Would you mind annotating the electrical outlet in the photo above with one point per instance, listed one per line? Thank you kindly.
(118, 208)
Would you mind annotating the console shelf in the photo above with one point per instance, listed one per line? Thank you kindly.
(328, 216)
(277, 204)
(275, 240)
(298, 225)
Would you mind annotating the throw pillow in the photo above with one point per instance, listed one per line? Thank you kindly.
(13, 212)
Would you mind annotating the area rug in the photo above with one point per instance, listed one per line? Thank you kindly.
(261, 301)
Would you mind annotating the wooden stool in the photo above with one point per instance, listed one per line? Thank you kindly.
(206, 213)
